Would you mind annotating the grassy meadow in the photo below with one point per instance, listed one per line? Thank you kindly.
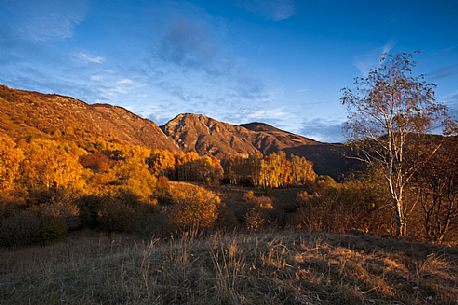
(277, 267)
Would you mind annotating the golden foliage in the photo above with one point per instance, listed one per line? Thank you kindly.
(50, 164)
(191, 206)
(271, 171)
(10, 160)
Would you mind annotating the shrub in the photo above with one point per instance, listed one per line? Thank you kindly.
(226, 216)
(353, 206)
(116, 216)
(190, 206)
(52, 228)
(254, 218)
(257, 211)
(302, 198)
(264, 202)
(19, 229)
(89, 207)
(248, 196)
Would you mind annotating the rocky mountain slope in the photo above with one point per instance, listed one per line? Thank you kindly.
(31, 114)
(196, 132)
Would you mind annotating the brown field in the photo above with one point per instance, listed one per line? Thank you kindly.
(282, 267)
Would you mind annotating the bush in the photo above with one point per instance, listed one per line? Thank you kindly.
(19, 229)
(89, 207)
(52, 228)
(264, 202)
(254, 219)
(353, 206)
(248, 196)
(190, 206)
(116, 216)
(258, 210)
(227, 217)
(302, 198)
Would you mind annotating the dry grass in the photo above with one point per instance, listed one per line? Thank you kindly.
(265, 268)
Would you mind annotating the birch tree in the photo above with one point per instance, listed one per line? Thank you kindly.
(387, 109)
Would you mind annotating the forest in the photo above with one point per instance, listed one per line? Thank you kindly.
(51, 188)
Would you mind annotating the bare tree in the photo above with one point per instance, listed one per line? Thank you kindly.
(386, 110)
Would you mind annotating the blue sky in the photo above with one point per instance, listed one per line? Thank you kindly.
(276, 61)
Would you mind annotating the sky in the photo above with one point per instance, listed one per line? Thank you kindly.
(281, 62)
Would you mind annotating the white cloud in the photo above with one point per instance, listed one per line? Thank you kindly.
(88, 58)
(322, 129)
(371, 59)
(267, 114)
(96, 77)
(44, 20)
(125, 81)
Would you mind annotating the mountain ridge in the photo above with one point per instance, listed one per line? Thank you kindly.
(33, 114)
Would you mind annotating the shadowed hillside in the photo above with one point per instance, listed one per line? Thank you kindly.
(196, 132)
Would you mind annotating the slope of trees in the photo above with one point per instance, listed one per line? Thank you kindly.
(10, 160)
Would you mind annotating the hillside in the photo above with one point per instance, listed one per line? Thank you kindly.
(25, 114)
(283, 267)
(31, 114)
(270, 139)
(196, 132)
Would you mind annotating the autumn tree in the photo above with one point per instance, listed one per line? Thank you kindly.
(162, 163)
(243, 169)
(50, 164)
(301, 170)
(271, 171)
(132, 172)
(386, 110)
(10, 160)
(97, 162)
(194, 167)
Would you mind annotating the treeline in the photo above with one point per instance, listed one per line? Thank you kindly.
(49, 187)
(185, 166)
(271, 171)
(44, 164)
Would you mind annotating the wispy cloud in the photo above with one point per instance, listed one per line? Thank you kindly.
(275, 10)
(185, 65)
(443, 72)
(267, 114)
(322, 129)
(88, 58)
(44, 20)
(451, 101)
(191, 68)
(364, 63)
